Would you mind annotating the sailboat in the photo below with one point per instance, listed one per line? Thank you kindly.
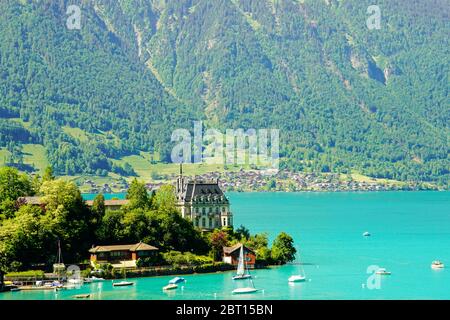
(298, 277)
(242, 275)
(58, 268)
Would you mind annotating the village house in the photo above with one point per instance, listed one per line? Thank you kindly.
(121, 256)
(203, 203)
(231, 255)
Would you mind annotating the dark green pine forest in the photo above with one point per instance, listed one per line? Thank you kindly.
(344, 97)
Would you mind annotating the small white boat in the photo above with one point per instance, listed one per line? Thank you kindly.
(95, 279)
(177, 280)
(123, 284)
(297, 278)
(242, 277)
(244, 290)
(383, 272)
(82, 296)
(75, 281)
(437, 265)
(170, 286)
(366, 234)
(54, 284)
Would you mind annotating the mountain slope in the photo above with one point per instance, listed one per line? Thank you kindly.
(344, 97)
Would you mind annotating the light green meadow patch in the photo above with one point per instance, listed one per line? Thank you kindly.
(76, 133)
(35, 155)
(4, 155)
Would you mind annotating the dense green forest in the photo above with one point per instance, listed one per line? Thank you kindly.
(344, 97)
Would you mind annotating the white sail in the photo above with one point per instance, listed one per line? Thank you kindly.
(241, 268)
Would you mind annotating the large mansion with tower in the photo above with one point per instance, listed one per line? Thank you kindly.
(203, 202)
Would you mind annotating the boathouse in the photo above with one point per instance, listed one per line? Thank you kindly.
(121, 256)
(231, 255)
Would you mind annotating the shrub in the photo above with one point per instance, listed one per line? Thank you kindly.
(177, 258)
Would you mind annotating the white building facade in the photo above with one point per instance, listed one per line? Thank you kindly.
(203, 203)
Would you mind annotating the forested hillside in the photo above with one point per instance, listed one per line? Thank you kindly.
(344, 97)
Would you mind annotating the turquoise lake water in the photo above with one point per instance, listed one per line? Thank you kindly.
(409, 230)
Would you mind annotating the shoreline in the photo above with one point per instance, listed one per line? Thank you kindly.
(138, 274)
(121, 195)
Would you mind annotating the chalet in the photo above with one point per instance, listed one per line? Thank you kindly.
(121, 256)
(203, 202)
(231, 255)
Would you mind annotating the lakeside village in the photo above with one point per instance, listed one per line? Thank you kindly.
(262, 181)
(50, 238)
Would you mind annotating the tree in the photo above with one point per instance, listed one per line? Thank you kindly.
(258, 241)
(36, 183)
(24, 238)
(70, 218)
(165, 199)
(111, 228)
(243, 233)
(98, 207)
(48, 174)
(264, 255)
(173, 232)
(218, 239)
(12, 186)
(283, 249)
(135, 227)
(138, 196)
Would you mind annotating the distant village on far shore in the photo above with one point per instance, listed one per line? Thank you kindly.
(261, 181)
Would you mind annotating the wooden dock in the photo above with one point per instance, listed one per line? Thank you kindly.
(35, 288)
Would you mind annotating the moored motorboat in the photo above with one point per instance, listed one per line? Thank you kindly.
(383, 272)
(82, 296)
(177, 280)
(366, 234)
(437, 264)
(170, 286)
(75, 281)
(123, 284)
(297, 278)
(95, 279)
(54, 284)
